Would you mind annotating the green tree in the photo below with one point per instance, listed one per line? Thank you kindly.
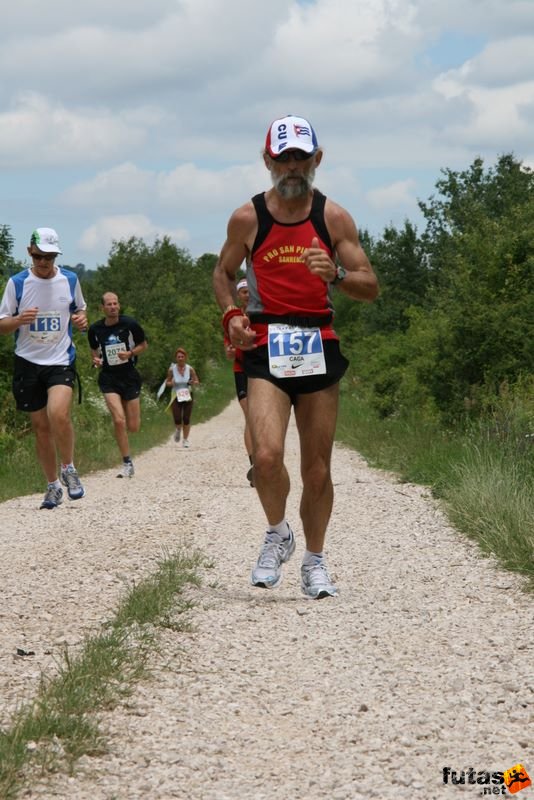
(455, 319)
(6, 248)
(171, 295)
(483, 240)
(11, 423)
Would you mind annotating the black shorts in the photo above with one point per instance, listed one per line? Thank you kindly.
(126, 384)
(256, 364)
(31, 382)
(241, 382)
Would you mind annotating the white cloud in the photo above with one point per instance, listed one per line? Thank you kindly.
(186, 188)
(158, 111)
(397, 195)
(39, 133)
(504, 63)
(493, 18)
(335, 47)
(498, 105)
(61, 14)
(105, 230)
(110, 188)
(177, 47)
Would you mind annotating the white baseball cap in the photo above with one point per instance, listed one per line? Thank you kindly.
(242, 284)
(290, 132)
(46, 239)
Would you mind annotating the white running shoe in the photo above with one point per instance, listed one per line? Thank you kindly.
(274, 552)
(185, 443)
(69, 477)
(127, 470)
(52, 498)
(316, 582)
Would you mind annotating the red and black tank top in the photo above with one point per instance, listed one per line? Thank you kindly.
(281, 288)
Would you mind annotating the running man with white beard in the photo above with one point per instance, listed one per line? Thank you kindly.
(299, 246)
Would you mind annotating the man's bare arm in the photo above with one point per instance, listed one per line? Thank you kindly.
(360, 282)
(240, 232)
(240, 236)
(26, 317)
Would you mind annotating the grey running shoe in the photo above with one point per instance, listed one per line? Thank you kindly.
(52, 498)
(274, 552)
(127, 470)
(71, 479)
(316, 582)
(177, 435)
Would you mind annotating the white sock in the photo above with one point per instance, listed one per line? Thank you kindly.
(310, 559)
(55, 484)
(282, 529)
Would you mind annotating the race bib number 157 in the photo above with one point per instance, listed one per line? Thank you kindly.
(295, 352)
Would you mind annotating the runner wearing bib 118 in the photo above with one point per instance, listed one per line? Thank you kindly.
(40, 305)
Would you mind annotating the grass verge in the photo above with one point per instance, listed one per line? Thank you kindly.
(485, 481)
(61, 724)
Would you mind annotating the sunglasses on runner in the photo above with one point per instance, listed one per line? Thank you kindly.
(43, 256)
(298, 155)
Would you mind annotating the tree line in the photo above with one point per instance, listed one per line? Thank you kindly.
(451, 331)
(453, 327)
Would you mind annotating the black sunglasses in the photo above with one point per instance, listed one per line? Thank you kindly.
(43, 256)
(298, 155)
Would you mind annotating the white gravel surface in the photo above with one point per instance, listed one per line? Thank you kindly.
(424, 661)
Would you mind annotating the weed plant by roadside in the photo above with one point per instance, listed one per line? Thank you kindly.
(61, 724)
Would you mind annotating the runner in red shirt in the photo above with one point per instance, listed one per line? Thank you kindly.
(241, 381)
(298, 245)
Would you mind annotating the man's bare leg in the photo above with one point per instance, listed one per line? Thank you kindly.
(132, 411)
(316, 415)
(44, 444)
(269, 410)
(316, 421)
(59, 435)
(118, 415)
(58, 409)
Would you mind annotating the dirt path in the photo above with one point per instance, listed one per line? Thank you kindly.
(425, 660)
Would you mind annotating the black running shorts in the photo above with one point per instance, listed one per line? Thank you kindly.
(126, 384)
(32, 381)
(240, 385)
(256, 365)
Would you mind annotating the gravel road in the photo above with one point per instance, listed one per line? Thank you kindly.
(425, 660)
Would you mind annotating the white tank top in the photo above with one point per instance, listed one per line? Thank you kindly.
(181, 381)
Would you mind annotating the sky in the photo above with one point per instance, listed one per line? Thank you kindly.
(122, 119)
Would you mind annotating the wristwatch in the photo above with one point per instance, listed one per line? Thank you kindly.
(341, 274)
